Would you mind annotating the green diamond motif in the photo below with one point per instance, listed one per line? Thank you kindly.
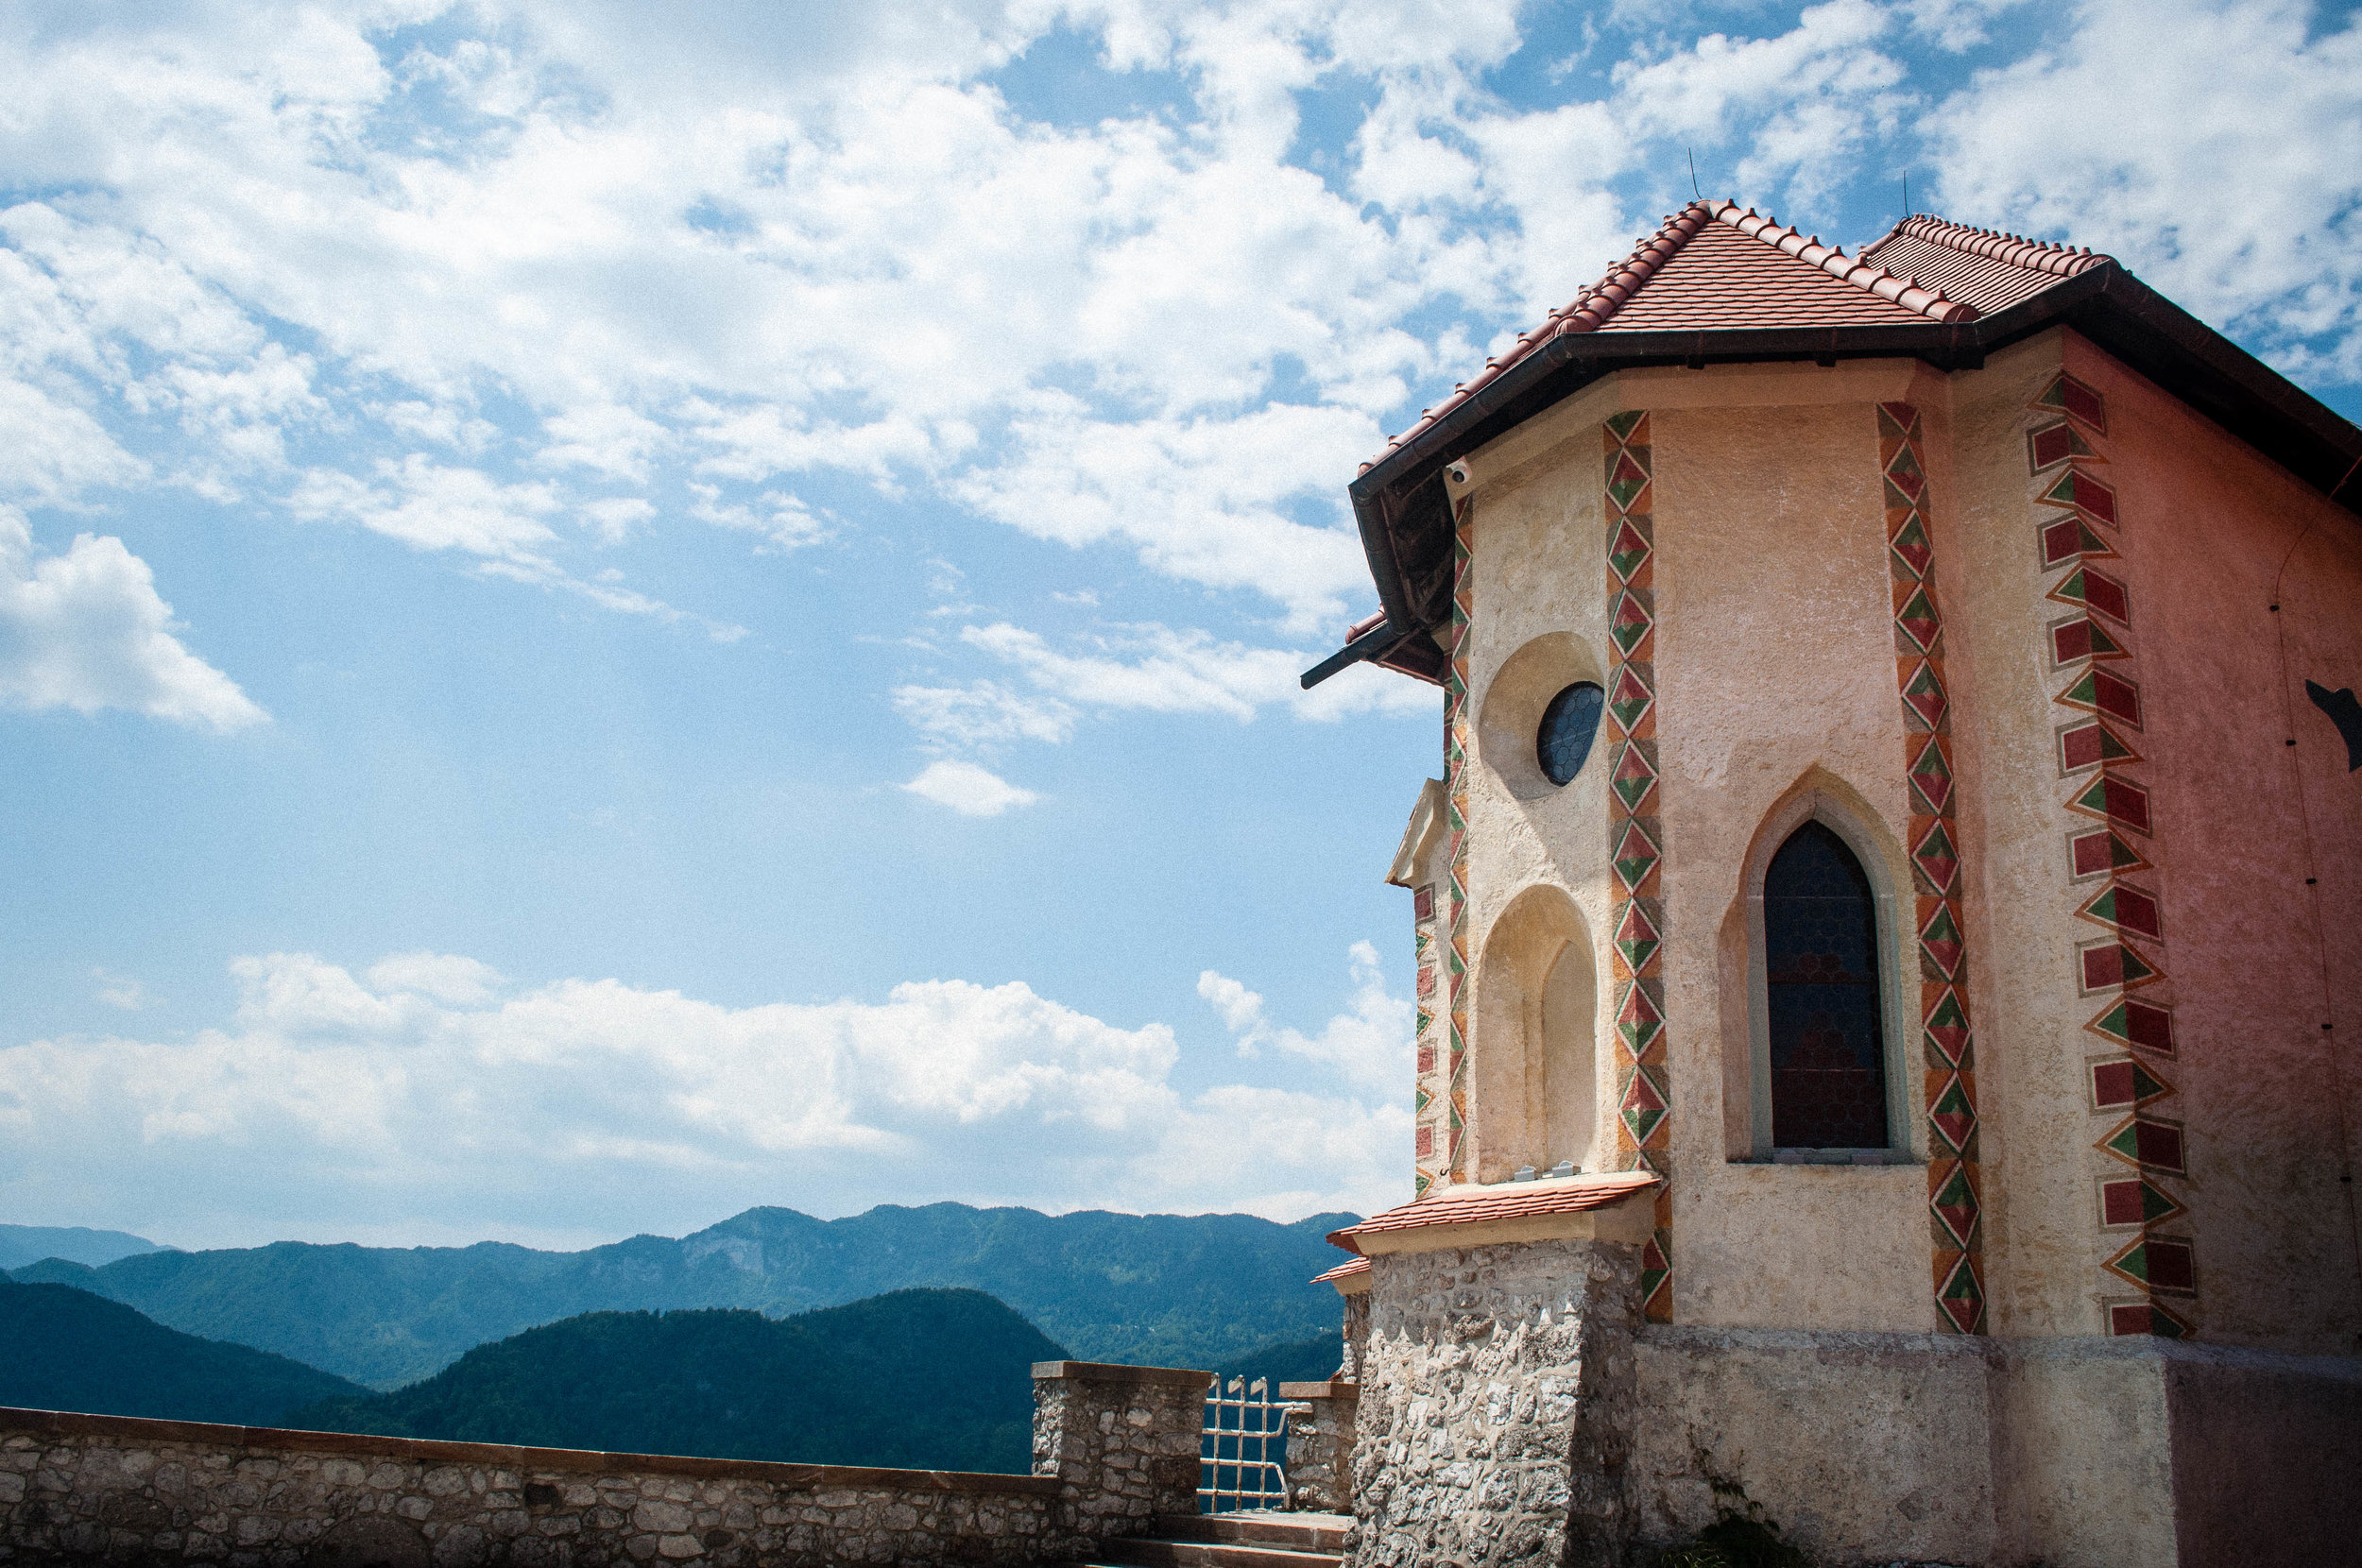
(1626, 549)
(1623, 424)
(1633, 777)
(1629, 622)
(1637, 937)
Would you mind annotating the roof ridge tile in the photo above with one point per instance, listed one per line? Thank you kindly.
(2064, 261)
(1910, 293)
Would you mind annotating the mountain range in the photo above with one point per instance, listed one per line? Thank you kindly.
(24, 1244)
(1199, 1291)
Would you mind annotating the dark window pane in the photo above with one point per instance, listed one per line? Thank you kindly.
(1828, 1045)
(1568, 726)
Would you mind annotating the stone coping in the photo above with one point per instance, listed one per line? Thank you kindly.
(144, 1430)
(1331, 1388)
(1103, 1372)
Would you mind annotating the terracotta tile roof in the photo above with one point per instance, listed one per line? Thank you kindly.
(1981, 267)
(1713, 268)
(1344, 1271)
(1469, 1205)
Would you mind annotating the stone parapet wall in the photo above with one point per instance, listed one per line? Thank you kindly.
(1497, 1406)
(1123, 1443)
(1320, 1444)
(114, 1489)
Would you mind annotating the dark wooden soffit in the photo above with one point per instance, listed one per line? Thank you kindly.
(1404, 510)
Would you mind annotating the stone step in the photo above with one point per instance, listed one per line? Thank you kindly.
(1140, 1552)
(1297, 1532)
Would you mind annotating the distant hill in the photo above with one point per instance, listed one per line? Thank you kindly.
(1156, 1289)
(68, 1350)
(917, 1379)
(24, 1244)
(1312, 1360)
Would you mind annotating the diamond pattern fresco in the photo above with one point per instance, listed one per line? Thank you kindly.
(1946, 1042)
(1635, 839)
(2100, 766)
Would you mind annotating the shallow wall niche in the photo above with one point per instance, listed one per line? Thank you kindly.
(1534, 1060)
(1511, 714)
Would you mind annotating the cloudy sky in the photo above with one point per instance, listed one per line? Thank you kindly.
(612, 612)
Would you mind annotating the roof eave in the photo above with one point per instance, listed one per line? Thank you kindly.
(2106, 303)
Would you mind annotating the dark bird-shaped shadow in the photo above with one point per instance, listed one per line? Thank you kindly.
(2345, 713)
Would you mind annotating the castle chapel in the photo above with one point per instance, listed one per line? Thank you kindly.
(1889, 932)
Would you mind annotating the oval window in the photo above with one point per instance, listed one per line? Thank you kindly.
(1568, 726)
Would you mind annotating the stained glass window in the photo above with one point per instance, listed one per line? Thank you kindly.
(1828, 1044)
(1568, 726)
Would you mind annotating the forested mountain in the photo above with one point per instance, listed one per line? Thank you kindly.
(68, 1350)
(916, 1379)
(1195, 1290)
(24, 1244)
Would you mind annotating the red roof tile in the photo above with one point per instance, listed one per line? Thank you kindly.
(1713, 268)
(1342, 1271)
(1977, 266)
(1469, 1205)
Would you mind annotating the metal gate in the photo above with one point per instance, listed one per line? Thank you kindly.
(1243, 1449)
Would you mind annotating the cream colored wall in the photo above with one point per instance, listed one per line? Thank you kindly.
(2041, 1238)
(1774, 666)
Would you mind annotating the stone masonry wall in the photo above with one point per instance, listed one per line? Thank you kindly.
(1496, 1407)
(101, 1488)
(1122, 1441)
(1320, 1444)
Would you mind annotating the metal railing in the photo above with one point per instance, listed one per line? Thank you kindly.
(1243, 1449)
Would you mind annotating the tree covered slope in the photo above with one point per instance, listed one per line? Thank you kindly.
(64, 1349)
(916, 1380)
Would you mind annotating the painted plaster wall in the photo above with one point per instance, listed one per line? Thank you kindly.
(2204, 524)
(1537, 566)
(2254, 966)
(2041, 1236)
(1775, 666)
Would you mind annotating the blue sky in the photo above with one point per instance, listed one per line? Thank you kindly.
(609, 613)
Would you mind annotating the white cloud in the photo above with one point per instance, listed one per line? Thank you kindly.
(971, 791)
(1159, 669)
(429, 1085)
(87, 630)
(983, 713)
(123, 991)
(2215, 148)
(429, 506)
(1370, 1042)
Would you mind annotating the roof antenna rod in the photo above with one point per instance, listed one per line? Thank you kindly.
(1693, 175)
(1906, 193)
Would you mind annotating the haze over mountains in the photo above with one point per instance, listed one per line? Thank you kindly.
(1199, 1291)
(24, 1244)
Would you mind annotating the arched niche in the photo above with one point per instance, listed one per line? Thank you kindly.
(1534, 1096)
(1820, 796)
(1510, 716)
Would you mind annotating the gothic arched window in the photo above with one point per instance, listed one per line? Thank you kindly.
(1827, 1038)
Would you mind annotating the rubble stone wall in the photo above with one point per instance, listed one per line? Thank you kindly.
(1320, 1444)
(98, 1489)
(1113, 1446)
(1497, 1406)
(1122, 1441)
